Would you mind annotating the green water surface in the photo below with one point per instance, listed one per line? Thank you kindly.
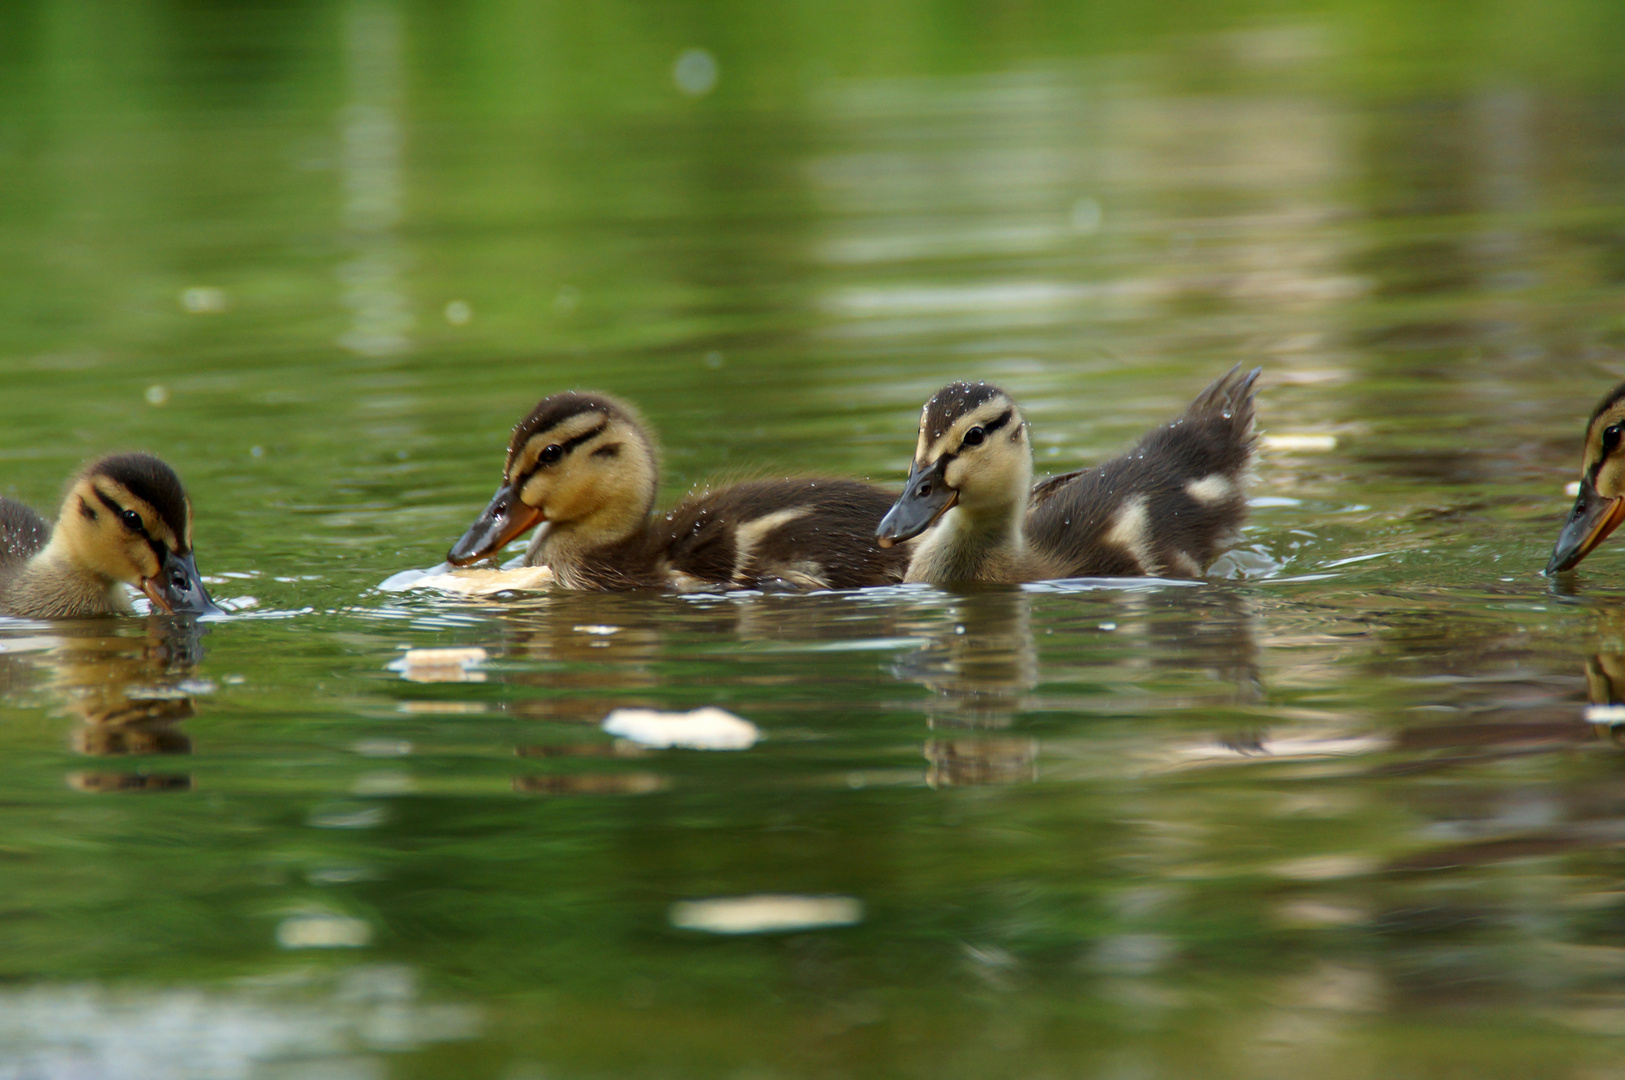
(1335, 813)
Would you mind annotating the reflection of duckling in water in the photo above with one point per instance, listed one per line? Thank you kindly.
(981, 659)
(980, 664)
(1600, 505)
(130, 695)
(126, 520)
(583, 469)
(1167, 507)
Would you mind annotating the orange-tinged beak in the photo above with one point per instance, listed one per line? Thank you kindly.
(925, 498)
(155, 592)
(177, 587)
(1594, 516)
(504, 518)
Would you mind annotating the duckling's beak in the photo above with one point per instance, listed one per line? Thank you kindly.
(177, 588)
(925, 498)
(1594, 516)
(505, 518)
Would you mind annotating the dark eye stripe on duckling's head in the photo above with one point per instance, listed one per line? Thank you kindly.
(555, 428)
(962, 416)
(1603, 437)
(145, 496)
(574, 425)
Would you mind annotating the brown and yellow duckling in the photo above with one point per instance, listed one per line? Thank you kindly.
(583, 471)
(125, 521)
(1167, 507)
(1600, 505)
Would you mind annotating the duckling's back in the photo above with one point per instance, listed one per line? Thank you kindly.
(23, 534)
(806, 533)
(1169, 506)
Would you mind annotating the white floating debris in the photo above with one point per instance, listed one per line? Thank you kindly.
(204, 300)
(28, 644)
(322, 932)
(470, 581)
(1086, 216)
(382, 747)
(1301, 746)
(1325, 867)
(1304, 442)
(441, 665)
(465, 657)
(1572, 488)
(383, 783)
(1610, 715)
(766, 913)
(601, 631)
(441, 708)
(695, 72)
(709, 728)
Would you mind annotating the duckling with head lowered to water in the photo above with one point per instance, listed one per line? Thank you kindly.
(1168, 507)
(125, 520)
(583, 471)
(1600, 505)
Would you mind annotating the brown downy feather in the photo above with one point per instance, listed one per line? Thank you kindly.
(124, 521)
(1167, 507)
(582, 467)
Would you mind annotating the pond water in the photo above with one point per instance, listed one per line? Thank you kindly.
(1336, 812)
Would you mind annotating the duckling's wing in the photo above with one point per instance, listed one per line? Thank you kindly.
(1050, 485)
(1166, 507)
(808, 533)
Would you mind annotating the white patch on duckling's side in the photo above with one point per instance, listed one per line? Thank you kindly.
(1211, 489)
(804, 574)
(748, 535)
(681, 582)
(1130, 531)
(1184, 563)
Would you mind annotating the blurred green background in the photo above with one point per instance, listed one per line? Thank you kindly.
(1335, 813)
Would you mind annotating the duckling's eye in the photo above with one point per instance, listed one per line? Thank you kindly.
(132, 520)
(973, 437)
(1610, 439)
(551, 454)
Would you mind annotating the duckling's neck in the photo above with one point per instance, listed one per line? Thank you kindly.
(973, 545)
(578, 552)
(53, 585)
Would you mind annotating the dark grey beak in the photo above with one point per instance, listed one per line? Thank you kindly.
(925, 498)
(504, 518)
(1589, 523)
(177, 587)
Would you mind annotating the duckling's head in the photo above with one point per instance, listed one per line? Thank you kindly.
(127, 518)
(972, 454)
(1601, 504)
(581, 466)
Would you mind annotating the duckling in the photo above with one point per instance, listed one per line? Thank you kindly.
(583, 468)
(125, 520)
(1166, 507)
(1600, 506)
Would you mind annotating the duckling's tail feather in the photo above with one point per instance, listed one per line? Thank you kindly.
(1169, 506)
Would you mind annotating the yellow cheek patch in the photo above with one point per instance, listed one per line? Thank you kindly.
(144, 560)
(536, 490)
